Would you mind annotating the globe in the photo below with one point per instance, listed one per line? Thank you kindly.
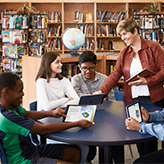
(73, 38)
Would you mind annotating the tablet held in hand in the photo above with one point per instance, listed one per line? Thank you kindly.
(78, 112)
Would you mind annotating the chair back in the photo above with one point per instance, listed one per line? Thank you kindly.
(2, 155)
(34, 137)
(33, 106)
(119, 95)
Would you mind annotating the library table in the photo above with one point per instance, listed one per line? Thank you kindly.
(109, 129)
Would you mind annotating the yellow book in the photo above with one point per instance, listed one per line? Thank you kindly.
(89, 17)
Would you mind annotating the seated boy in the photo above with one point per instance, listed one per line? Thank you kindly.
(89, 81)
(86, 83)
(16, 123)
(153, 125)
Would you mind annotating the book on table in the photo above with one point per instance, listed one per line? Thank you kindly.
(144, 73)
(78, 112)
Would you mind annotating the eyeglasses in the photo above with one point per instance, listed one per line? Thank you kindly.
(90, 69)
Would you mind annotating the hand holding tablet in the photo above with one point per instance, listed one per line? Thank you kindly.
(78, 112)
(134, 110)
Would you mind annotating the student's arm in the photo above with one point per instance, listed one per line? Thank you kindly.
(42, 97)
(57, 127)
(70, 92)
(154, 129)
(35, 115)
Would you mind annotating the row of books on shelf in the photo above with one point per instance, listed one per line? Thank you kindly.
(14, 51)
(106, 30)
(88, 45)
(54, 44)
(147, 22)
(86, 29)
(12, 65)
(108, 16)
(111, 45)
(69, 70)
(54, 16)
(154, 35)
(38, 21)
(36, 50)
(78, 17)
(15, 22)
(54, 30)
(15, 37)
(38, 36)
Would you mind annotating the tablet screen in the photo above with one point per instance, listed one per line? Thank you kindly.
(134, 111)
(78, 112)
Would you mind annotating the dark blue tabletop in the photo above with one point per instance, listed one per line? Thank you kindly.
(109, 128)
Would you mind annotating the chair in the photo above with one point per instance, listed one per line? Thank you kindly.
(119, 97)
(2, 155)
(34, 137)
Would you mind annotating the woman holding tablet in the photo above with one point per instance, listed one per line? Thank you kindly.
(137, 55)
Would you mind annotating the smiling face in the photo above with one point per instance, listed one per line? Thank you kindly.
(56, 66)
(88, 70)
(15, 95)
(128, 37)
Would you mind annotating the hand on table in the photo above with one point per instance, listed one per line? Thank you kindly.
(97, 92)
(85, 123)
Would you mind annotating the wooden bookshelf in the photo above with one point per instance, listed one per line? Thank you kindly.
(67, 9)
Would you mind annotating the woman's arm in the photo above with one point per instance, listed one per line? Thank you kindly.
(70, 92)
(42, 97)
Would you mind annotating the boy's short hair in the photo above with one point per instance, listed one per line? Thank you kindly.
(87, 56)
(8, 79)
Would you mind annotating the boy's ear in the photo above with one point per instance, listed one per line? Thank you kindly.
(79, 66)
(5, 91)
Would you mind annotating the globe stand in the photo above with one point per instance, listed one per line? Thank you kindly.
(74, 54)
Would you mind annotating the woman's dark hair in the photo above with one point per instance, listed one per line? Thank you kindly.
(87, 56)
(45, 69)
(8, 79)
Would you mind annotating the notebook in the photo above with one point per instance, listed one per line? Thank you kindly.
(96, 99)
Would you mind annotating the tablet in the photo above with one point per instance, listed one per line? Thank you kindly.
(144, 73)
(92, 99)
(134, 110)
(78, 112)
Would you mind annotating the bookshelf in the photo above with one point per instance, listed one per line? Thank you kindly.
(67, 9)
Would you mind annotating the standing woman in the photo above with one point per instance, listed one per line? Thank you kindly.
(53, 90)
(137, 55)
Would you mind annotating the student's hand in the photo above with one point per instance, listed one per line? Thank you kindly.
(69, 98)
(132, 124)
(145, 114)
(97, 92)
(85, 123)
(139, 81)
(59, 112)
